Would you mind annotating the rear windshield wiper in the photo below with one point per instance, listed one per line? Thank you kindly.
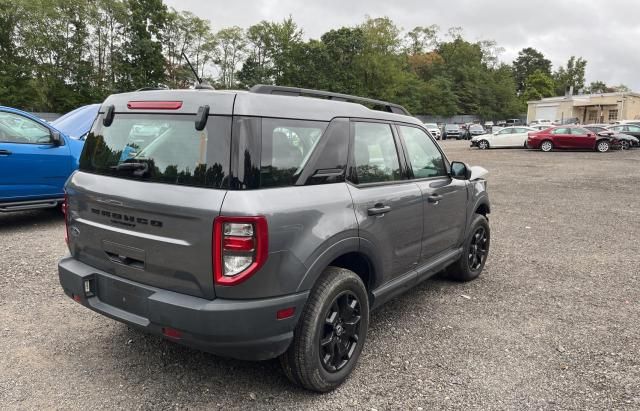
(137, 168)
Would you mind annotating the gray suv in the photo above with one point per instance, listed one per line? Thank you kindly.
(266, 223)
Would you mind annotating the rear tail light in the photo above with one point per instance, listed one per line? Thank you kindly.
(240, 248)
(65, 213)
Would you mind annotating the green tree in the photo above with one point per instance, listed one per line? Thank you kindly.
(571, 76)
(142, 62)
(229, 52)
(529, 60)
(538, 85)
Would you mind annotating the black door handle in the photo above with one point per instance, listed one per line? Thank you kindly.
(434, 198)
(5, 152)
(378, 209)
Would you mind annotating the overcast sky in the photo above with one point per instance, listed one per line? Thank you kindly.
(604, 32)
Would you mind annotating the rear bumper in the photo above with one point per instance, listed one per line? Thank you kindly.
(243, 329)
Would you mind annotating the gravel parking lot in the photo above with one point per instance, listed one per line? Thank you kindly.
(553, 322)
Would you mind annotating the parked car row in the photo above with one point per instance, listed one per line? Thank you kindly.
(37, 157)
(590, 137)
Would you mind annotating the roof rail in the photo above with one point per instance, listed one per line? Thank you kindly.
(295, 91)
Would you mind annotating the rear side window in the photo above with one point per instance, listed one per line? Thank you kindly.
(160, 148)
(375, 153)
(272, 152)
(286, 148)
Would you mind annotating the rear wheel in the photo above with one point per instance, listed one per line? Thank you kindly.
(330, 334)
(546, 146)
(475, 252)
(483, 144)
(602, 146)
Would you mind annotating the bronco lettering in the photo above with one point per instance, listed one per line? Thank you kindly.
(124, 218)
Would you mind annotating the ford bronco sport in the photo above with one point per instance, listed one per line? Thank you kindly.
(266, 223)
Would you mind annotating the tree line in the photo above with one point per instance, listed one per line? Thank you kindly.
(56, 55)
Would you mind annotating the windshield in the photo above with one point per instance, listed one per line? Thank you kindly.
(451, 127)
(160, 148)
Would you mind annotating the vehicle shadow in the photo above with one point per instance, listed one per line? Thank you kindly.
(19, 219)
(167, 368)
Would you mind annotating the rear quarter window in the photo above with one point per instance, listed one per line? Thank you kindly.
(272, 152)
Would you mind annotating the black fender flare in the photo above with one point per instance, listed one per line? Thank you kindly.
(338, 249)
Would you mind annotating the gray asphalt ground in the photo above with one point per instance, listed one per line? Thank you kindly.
(553, 322)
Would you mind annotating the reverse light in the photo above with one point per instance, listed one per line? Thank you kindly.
(240, 248)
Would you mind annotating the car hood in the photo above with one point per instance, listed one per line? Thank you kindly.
(78, 122)
(622, 136)
(481, 136)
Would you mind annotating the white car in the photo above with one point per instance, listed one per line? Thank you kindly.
(507, 137)
(541, 123)
(433, 129)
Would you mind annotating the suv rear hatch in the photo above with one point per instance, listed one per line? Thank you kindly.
(149, 187)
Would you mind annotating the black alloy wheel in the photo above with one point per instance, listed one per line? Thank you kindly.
(341, 330)
(478, 249)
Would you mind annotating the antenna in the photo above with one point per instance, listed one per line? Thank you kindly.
(199, 84)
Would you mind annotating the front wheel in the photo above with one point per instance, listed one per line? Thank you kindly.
(331, 332)
(483, 144)
(602, 146)
(624, 145)
(474, 254)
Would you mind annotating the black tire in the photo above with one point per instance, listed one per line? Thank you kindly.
(546, 146)
(483, 144)
(624, 145)
(465, 269)
(302, 363)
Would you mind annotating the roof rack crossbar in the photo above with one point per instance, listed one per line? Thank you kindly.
(295, 91)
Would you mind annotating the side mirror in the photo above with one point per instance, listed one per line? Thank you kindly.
(56, 138)
(460, 171)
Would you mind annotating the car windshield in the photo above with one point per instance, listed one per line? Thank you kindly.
(476, 127)
(451, 127)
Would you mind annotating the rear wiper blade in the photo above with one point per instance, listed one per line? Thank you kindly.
(138, 168)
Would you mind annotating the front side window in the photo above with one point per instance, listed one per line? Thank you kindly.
(560, 131)
(505, 131)
(424, 157)
(159, 148)
(633, 129)
(15, 128)
(375, 153)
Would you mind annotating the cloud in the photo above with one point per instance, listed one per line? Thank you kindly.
(605, 33)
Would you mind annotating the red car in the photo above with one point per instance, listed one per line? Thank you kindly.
(570, 137)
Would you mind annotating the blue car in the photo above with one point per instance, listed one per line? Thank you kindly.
(37, 157)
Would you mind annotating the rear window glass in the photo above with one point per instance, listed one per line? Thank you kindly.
(160, 148)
